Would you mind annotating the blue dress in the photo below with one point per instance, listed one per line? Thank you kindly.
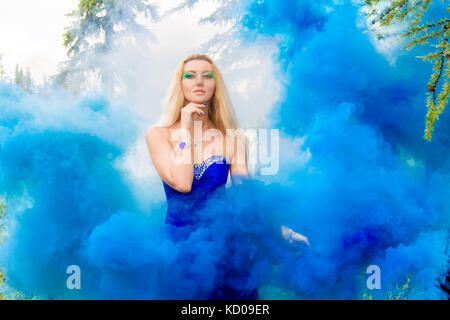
(184, 213)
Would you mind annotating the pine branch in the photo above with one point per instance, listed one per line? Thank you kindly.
(435, 110)
(423, 39)
(420, 34)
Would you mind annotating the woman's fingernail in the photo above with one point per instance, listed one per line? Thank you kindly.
(204, 112)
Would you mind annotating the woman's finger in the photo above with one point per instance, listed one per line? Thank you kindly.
(199, 111)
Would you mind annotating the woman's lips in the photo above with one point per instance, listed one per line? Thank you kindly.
(199, 92)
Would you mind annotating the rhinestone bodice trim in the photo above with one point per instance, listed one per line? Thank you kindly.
(199, 169)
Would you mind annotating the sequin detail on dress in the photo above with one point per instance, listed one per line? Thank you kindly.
(199, 169)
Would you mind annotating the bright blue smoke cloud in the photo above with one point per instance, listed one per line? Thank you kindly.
(377, 188)
(68, 204)
(57, 170)
(372, 193)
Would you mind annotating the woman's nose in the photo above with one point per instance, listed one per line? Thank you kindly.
(199, 79)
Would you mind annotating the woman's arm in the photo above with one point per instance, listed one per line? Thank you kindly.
(239, 170)
(177, 174)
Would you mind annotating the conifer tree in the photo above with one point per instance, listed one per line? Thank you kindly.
(19, 78)
(419, 32)
(23, 79)
(28, 81)
(2, 68)
(96, 27)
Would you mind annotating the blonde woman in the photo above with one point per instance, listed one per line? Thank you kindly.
(196, 145)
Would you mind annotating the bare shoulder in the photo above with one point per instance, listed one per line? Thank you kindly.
(155, 133)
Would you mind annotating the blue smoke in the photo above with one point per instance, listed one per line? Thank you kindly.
(372, 192)
(379, 192)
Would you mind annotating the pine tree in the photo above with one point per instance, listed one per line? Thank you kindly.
(96, 27)
(28, 81)
(23, 79)
(434, 33)
(18, 76)
(2, 69)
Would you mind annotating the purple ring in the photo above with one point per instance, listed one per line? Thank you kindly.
(182, 144)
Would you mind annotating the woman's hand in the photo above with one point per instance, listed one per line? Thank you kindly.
(188, 111)
(292, 236)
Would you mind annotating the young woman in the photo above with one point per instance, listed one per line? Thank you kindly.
(195, 146)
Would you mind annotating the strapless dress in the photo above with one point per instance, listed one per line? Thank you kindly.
(184, 213)
(210, 178)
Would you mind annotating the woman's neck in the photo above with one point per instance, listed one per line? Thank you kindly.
(201, 124)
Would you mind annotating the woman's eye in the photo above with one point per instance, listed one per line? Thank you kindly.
(191, 76)
(187, 75)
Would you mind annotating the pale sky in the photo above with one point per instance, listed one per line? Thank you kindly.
(31, 32)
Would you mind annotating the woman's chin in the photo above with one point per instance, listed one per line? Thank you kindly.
(200, 100)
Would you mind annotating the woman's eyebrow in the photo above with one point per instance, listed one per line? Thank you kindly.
(192, 71)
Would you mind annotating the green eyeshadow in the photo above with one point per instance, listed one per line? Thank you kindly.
(186, 74)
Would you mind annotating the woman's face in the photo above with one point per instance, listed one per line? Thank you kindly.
(198, 81)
